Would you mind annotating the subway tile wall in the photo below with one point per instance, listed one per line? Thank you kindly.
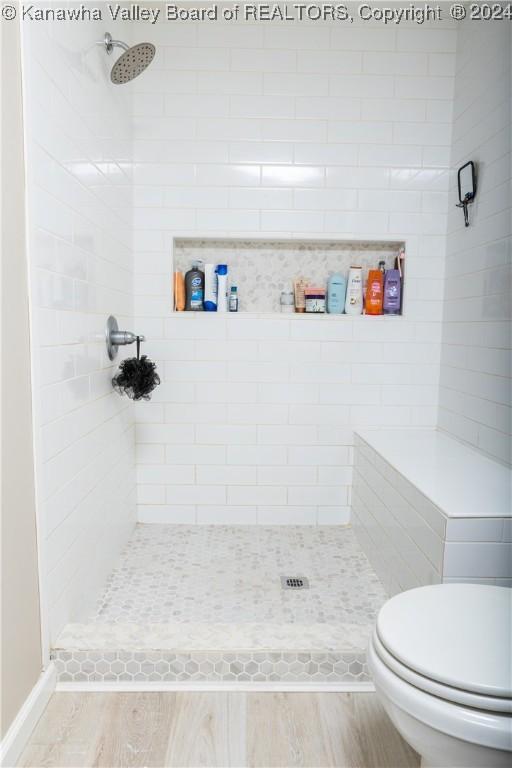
(285, 131)
(81, 264)
(476, 362)
(254, 419)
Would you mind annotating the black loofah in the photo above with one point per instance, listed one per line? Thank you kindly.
(137, 377)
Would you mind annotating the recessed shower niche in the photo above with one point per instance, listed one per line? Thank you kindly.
(261, 269)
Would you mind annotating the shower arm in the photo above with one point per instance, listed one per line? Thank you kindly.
(110, 44)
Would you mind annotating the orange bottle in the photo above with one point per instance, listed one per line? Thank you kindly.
(179, 292)
(374, 292)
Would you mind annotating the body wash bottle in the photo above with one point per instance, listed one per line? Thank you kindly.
(354, 299)
(336, 294)
(194, 288)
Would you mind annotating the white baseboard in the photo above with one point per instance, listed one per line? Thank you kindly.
(218, 686)
(18, 735)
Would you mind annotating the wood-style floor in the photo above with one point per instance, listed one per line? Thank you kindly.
(216, 729)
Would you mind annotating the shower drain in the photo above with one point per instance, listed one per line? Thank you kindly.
(294, 582)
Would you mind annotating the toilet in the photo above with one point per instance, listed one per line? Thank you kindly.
(441, 661)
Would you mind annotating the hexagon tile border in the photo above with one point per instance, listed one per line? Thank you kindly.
(210, 667)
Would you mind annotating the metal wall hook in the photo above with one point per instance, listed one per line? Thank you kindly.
(466, 182)
(115, 338)
(464, 206)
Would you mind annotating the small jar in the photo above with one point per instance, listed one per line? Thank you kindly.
(315, 300)
(287, 301)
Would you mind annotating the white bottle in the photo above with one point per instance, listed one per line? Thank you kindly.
(222, 288)
(287, 301)
(210, 288)
(354, 298)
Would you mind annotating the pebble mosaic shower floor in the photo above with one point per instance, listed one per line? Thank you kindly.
(205, 603)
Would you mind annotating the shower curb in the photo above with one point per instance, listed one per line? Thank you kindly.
(212, 667)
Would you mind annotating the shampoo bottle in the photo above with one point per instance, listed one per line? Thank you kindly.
(374, 291)
(210, 288)
(354, 298)
(336, 294)
(194, 288)
(392, 292)
(222, 288)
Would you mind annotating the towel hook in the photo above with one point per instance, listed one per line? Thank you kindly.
(115, 338)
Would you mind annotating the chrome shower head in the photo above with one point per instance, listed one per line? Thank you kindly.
(132, 62)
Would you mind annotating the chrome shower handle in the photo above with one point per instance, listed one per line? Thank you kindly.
(120, 338)
(115, 338)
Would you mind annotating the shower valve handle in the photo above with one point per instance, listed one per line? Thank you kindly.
(120, 338)
(115, 338)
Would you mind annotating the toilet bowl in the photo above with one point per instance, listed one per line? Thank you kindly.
(441, 661)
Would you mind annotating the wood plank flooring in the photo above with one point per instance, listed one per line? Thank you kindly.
(271, 730)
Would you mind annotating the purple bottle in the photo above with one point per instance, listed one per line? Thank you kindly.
(392, 291)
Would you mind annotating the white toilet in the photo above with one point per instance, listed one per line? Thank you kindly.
(441, 660)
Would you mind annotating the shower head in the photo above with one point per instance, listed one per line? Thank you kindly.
(132, 62)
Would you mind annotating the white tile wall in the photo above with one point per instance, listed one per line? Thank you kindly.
(476, 363)
(254, 421)
(81, 264)
(254, 130)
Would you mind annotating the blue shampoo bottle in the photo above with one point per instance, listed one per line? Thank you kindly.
(336, 291)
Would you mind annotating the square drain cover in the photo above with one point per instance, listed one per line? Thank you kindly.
(294, 582)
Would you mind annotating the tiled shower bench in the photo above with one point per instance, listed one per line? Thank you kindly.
(428, 509)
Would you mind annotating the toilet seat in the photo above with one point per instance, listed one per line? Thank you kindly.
(445, 692)
(453, 640)
(467, 724)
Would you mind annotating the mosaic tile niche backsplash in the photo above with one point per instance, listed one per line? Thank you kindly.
(262, 269)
